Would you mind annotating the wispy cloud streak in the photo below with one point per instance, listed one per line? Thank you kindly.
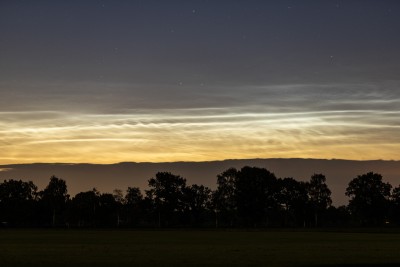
(368, 129)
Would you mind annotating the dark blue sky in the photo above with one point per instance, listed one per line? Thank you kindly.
(199, 42)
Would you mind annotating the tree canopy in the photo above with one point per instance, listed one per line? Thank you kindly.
(369, 198)
(248, 197)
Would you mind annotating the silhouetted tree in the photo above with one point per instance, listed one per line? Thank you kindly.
(108, 210)
(17, 202)
(256, 195)
(319, 195)
(54, 197)
(293, 197)
(134, 204)
(166, 191)
(197, 199)
(369, 198)
(120, 202)
(133, 196)
(395, 205)
(84, 206)
(223, 199)
(250, 196)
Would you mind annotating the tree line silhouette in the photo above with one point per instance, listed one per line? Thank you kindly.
(249, 197)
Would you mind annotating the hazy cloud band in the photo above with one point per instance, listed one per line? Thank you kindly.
(346, 123)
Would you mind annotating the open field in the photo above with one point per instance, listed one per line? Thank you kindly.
(196, 247)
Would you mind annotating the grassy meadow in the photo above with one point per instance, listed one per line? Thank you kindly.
(197, 247)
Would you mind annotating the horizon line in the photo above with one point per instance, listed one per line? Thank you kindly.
(206, 161)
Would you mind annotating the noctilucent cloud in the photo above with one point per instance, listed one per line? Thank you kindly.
(110, 81)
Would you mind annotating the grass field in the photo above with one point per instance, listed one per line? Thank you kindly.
(172, 248)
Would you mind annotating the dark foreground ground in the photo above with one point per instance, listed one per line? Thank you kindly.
(195, 247)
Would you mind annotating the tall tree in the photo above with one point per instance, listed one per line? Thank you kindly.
(223, 199)
(319, 195)
(166, 190)
(197, 199)
(55, 197)
(293, 197)
(369, 198)
(84, 206)
(133, 196)
(120, 202)
(256, 195)
(134, 204)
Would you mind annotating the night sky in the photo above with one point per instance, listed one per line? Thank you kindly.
(161, 81)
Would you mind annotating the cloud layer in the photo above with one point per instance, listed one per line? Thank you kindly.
(352, 121)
